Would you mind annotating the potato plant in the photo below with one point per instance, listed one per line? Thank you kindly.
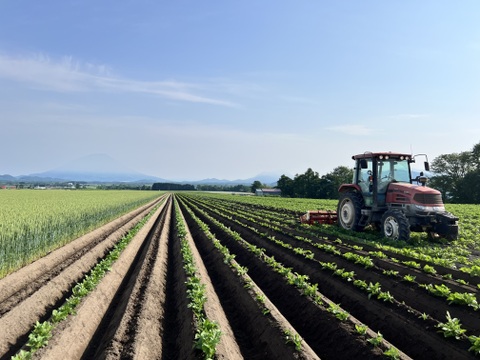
(432, 266)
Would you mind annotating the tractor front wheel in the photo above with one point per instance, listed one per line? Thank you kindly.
(349, 210)
(395, 225)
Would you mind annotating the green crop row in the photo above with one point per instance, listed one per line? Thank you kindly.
(207, 332)
(459, 254)
(460, 298)
(291, 337)
(302, 283)
(257, 215)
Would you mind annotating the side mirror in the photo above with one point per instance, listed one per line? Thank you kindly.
(427, 166)
(363, 164)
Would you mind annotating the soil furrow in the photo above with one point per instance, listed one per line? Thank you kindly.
(26, 311)
(30, 278)
(116, 335)
(404, 292)
(327, 336)
(72, 337)
(258, 336)
(271, 294)
(402, 329)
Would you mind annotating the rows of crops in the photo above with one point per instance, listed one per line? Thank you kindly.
(432, 288)
(464, 252)
(33, 222)
(281, 289)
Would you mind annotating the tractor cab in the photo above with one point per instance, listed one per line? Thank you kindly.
(374, 172)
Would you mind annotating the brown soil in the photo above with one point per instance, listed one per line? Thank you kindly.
(30, 294)
(140, 308)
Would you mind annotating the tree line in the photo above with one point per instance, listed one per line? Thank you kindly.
(172, 186)
(457, 176)
(221, 187)
(311, 185)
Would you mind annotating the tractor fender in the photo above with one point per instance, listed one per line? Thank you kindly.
(349, 187)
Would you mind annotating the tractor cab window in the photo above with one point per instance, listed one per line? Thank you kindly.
(391, 170)
(364, 177)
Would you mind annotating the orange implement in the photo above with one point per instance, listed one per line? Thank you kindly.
(319, 217)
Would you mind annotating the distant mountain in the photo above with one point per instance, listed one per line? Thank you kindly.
(101, 168)
(267, 178)
(96, 168)
(264, 178)
(7, 177)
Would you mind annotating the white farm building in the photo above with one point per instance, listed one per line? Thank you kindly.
(268, 192)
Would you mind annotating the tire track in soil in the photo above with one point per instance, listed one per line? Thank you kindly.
(30, 294)
(406, 332)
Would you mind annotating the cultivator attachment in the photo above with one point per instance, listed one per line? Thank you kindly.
(319, 217)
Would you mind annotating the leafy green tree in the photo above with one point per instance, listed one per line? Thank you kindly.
(457, 176)
(332, 181)
(468, 191)
(256, 185)
(476, 156)
(307, 185)
(286, 185)
(450, 170)
(310, 185)
(455, 165)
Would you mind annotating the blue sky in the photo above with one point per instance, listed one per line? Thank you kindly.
(200, 89)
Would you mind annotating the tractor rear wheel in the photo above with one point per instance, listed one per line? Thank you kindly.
(395, 225)
(349, 210)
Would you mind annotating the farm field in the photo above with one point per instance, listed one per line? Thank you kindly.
(200, 275)
(34, 222)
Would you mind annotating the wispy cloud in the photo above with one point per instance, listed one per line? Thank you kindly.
(70, 75)
(353, 129)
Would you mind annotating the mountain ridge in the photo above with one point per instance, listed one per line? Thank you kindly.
(101, 168)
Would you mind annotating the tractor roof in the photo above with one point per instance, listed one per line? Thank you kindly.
(385, 154)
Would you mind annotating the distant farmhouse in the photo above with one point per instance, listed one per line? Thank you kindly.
(268, 192)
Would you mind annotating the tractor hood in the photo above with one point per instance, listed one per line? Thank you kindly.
(422, 196)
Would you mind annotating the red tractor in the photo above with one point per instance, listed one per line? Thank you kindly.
(384, 194)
